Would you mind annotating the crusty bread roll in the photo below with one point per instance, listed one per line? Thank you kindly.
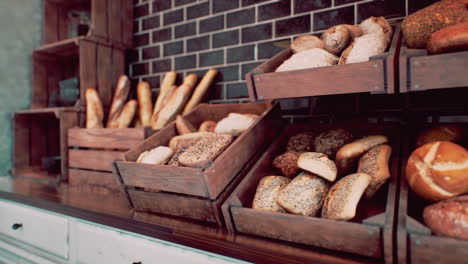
(166, 89)
(362, 48)
(330, 141)
(311, 58)
(319, 164)
(348, 155)
(343, 197)
(205, 151)
(306, 42)
(207, 126)
(301, 142)
(418, 27)
(200, 91)
(183, 126)
(336, 39)
(159, 155)
(438, 170)
(180, 141)
(451, 38)
(286, 163)
(304, 195)
(145, 103)
(120, 97)
(128, 114)
(354, 31)
(448, 217)
(451, 133)
(377, 25)
(267, 193)
(234, 124)
(94, 111)
(375, 164)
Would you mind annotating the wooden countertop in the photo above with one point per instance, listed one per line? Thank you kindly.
(110, 208)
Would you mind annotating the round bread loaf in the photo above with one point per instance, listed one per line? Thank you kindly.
(354, 31)
(306, 42)
(329, 142)
(377, 25)
(302, 142)
(440, 133)
(336, 39)
(364, 47)
(286, 163)
(319, 164)
(207, 126)
(267, 192)
(311, 58)
(438, 170)
(451, 38)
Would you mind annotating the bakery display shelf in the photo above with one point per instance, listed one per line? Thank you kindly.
(420, 71)
(193, 192)
(415, 243)
(378, 75)
(369, 234)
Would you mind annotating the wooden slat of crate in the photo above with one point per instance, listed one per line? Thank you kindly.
(89, 177)
(50, 25)
(93, 159)
(104, 74)
(88, 66)
(118, 138)
(40, 92)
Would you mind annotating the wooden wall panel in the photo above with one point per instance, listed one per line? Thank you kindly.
(104, 75)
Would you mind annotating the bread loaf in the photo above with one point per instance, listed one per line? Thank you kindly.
(183, 126)
(319, 164)
(166, 89)
(234, 124)
(128, 113)
(205, 151)
(120, 97)
(164, 101)
(159, 155)
(200, 91)
(286, 164)
(306, 42)
(451, 133)
(180, 141)
(145, 103)
(354, 31)
(377, 25)
(364, 47)
(348, 155)
(267, 193)
(418, 27)
(330, 141)
(343, 197)
(336, 39)
(311, 58)
(174, 160)
(301, 142)
(94, 111)
(451, 38)
(375, 164)
(207, 126)
(438, 170)
(304, 195)
(448, 217)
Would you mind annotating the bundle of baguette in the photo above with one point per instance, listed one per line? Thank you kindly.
(325, 175)
(340, 44)
(172, 100)
(199, 148)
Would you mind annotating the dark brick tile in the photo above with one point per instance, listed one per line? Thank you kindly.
(267, 50)
(212, 24)
(215, 92)
(150, 53)
(132, 55)
(140, 69)
(141, 40)
(247, 67)
(211, 58)
(198, 43)
(140, 11)
(245, 16)
(162, 35)
(199, 73)
(199, 10)
(224, 5)
(239, 54)
(153, 81)
(151, 22)
(251, 2)
(185, 62)
(173, 17)
(236, 90)
(416, 5)
(293, 26)
(226, 38)
(326, 19)
(342, 2)
(160, 5)
(274, 10)
(173, 48)
(183, 2)
(258, 32)
(229, 73)
(307, 6)
(388, 9)
(185, 30)
(162, 65)
(136, 26)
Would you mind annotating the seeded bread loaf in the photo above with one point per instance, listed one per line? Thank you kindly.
(329, 142)
(319, 164)
(267, 192)
(302, 142)
(184, 140)
(174, 160)
(205, 151)
(375, 163)
(286, 163)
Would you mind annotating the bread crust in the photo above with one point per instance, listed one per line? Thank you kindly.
(301, 142)
(183, 126)
(207, 126)
(306, 42)
(267, 193)
(200, 91)
(364, 47)
(286, 163)
(451, 133)
(145, 103)
(118, 102)
(180, 141)
(128, 113)
(451, 38)
(375, 164)
(336, 39)
(205, 150)
(235, 124)
(330, 141)
(159, 155)
(311, 58)
(94, 111)
(318, 164)
(166, 89)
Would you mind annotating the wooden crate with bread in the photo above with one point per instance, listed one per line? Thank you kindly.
(344, 59)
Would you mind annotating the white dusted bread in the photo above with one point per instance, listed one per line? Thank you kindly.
(311, 58)
(234, 124)
(364, 47)
(267, 193)
(306, 42)
(377, 25)
(159, 155)
(319, 164)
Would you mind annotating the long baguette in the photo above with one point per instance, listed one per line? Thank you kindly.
(94, 111)
(165, 90)
(145, 103)
(154, 118)
(127, 114)
(118, 102)
(200, 91)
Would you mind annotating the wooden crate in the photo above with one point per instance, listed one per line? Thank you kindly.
(92, 152)
(191, 192)
(97, 66)
(415, 242)
(420, 71)
(378, 75)
(111, 21)
(369, 234)
(39, 134)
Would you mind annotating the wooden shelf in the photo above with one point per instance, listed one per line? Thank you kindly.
(66, 47)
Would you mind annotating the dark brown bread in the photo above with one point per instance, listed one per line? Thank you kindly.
(451, 38)
(375, 163)
(286, 163)
(329, 142)
(205, 151)
(448, 217)
(302, 142)
(267, 193)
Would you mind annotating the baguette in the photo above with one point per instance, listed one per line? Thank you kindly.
(94, 111)
(200, 91)
(183, 126)
(180, 141)
(145, 103)
(375, 163)
(127, 114)
(319, 164)
(165, 90)
(175, 103)
(170, 92)
(120, 96)
(451, 38)
(205, 151)
(207, 126)
(267, 192)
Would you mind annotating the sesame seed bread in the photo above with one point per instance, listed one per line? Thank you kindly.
(319, 164)
(267, 192)
(205, 150)
(187, 139)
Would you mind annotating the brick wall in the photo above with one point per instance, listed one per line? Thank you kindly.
(234, 36)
